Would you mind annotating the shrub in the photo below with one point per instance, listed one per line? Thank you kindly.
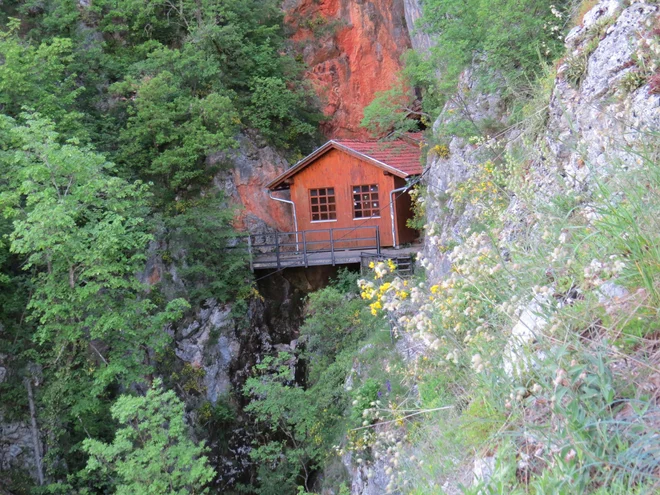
(631, 81)
(335, 321)
(575, 69)
(151, 452)
(513, 42)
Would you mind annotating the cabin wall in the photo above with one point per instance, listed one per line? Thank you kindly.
(403, 212)
(343, 171)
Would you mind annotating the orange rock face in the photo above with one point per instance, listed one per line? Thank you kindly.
(247, 170)
(353, 49)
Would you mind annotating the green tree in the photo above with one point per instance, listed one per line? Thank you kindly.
(278, 112)
(334, 321)
(292, 446)
(155, 88)
(392, 111)
(510, 37)
(507, 43)
(213, 260)
(171, 130)
(175, 81)
(81, 234)
(151, 452)
(84, 233)
(302, 421)
(38, 77)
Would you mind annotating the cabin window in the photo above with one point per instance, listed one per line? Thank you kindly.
(365, 201)
(322, 204)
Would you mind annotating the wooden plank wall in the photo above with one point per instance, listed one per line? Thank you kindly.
(343, 171)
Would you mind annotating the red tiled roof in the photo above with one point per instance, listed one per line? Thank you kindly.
(402, 156)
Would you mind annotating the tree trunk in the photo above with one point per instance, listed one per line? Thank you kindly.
(35, 432)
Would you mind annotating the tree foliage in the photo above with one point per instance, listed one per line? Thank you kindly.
(109, 112)
(295, 446)
(300, 423)
(213, 259)
(83, 233)
(505, 42)
(171, 128)
(511, 37)
(38, 77)
(152, 452)
(392, 111)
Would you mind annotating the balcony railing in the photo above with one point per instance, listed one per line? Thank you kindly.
(312, 247)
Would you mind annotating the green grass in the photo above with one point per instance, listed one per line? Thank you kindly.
(577, 403)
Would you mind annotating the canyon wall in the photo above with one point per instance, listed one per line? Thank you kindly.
(592, 119)
(597, 113)
(353, 49)
(420, 41)
(244, 174)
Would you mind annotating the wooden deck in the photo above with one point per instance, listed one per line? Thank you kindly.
(269, 260)
(320, 247)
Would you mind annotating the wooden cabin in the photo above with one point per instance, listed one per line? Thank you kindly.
(347, 185)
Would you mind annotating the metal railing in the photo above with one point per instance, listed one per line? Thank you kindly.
(311, 247)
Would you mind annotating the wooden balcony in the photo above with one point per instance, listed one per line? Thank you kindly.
(319, 247)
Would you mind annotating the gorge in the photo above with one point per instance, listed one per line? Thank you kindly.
(521, 357)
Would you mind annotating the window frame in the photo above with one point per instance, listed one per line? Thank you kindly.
(358, 204)
(330, 202)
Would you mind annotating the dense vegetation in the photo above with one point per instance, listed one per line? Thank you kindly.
(535, 360)
(531, 367)
(302, 421)
(108, 114)
(507, 43)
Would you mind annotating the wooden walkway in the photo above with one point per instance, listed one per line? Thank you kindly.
(320, 247)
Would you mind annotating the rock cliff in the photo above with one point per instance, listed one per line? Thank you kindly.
(244, 174)
(597, 112)
(353, 50)
(420, 40)
(599, 109)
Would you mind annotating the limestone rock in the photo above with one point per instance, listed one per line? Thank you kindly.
(421, 41)
(244, 173)
(448, 222)
(483, 470)
(3, 369)
(597, 124)
(16, 451)
(353, 49)
(197, 349)
(588, 128)
(610, 291)
(371, 479)
(532, 321)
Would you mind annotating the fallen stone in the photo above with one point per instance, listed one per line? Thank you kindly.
(610, 291)
(483, 470)
(531, 323)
